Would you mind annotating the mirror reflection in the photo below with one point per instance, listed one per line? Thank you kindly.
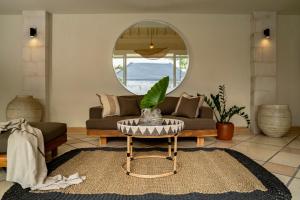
(146, 52)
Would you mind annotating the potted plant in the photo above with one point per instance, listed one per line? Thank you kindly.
(223, 115)
(150, 113)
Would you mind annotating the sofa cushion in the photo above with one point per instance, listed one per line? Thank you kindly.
(106, 123)
(50, 130)
(206, 112)
(95, 112)
(128, 106)
(3, 141)
(137, 97)
(110, 105)
(188, 106)
(110, 123)
(168, 106)
(195, 123)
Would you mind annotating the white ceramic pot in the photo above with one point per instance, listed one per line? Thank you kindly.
(24, 107)
(274, 120)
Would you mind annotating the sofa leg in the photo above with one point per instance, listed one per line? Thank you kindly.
(102, 141)
(54, 153)
(200, 142)
(3, 160)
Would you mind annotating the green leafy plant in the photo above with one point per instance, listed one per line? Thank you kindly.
(218, 104)
(156, 94)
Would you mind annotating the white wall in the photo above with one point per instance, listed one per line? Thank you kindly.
(289, 64)
(10, 60)
(82, 49)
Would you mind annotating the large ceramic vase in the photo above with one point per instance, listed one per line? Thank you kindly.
(274, 120)
(225, 130)
(24, 107)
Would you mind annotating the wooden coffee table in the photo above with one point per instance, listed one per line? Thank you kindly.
(170, 128)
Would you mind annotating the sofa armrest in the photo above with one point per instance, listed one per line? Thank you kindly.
(95, 112)
(206, 112)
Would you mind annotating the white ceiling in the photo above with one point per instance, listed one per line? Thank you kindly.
(151, 6)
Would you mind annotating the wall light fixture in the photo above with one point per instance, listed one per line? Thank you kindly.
(32, 32)
(267, 33)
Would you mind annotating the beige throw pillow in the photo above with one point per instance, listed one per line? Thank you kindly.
(110, 105)
(188, 106)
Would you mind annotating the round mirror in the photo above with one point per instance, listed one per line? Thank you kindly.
(146, 52)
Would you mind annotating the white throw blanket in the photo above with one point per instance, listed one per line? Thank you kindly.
(26, 163)
(59, 181)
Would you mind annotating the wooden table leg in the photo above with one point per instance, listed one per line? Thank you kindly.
(200, 142)
(170, 147)
(128, 155)
(175, 155)
(3, 160)
(131, 147)
(102, 141)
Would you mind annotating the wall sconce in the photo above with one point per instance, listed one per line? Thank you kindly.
(267, 33)
(32, 32)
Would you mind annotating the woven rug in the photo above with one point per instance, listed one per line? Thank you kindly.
(204, 173)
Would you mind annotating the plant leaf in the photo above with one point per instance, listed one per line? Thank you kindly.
(216, 100)
(235, 110)
(212, 106)
(218, 104)
(156, 94)
(222, 98)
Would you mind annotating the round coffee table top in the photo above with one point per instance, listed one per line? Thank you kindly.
(168, 127)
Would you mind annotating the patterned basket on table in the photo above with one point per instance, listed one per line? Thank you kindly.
(132, 127)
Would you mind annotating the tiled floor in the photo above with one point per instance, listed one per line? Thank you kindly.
(281, 156)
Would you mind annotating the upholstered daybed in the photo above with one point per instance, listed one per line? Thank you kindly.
(199, 127)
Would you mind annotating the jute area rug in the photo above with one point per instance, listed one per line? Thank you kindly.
(202, 174)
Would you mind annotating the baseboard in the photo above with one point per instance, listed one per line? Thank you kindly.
(241, 128)
(83, 129)
(238, 128)
(295, 128)
(76, 129)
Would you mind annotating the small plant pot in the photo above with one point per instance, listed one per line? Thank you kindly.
(225, 130)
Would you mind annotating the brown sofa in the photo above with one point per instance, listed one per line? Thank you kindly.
(200, 127)
(55, 134)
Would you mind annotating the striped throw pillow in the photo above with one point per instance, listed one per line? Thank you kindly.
(110, 105)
